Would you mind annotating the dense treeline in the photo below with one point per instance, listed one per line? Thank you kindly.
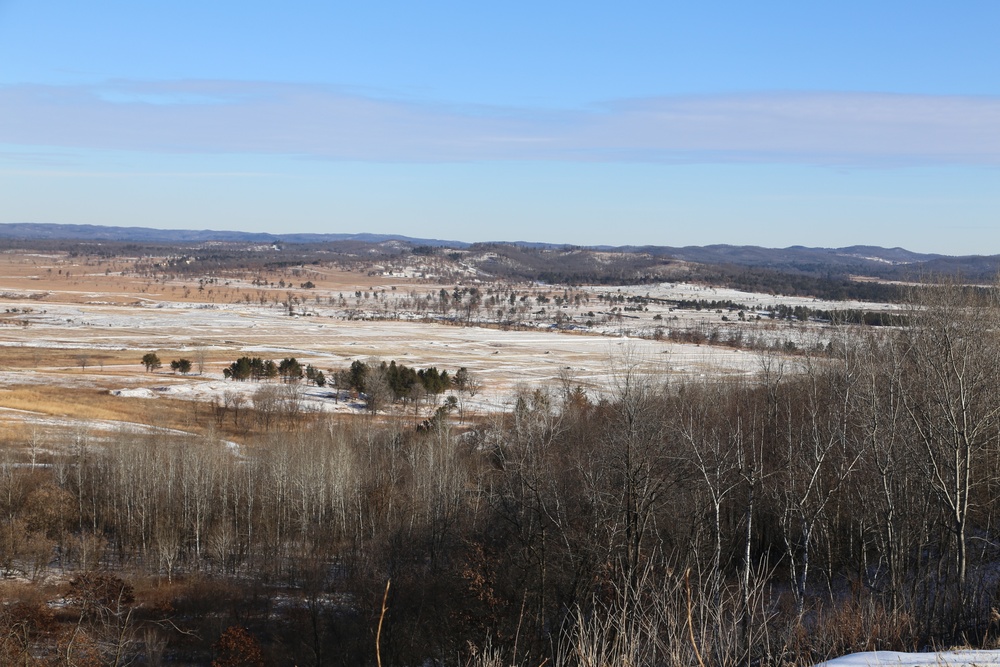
(829, 504)
(830, 287)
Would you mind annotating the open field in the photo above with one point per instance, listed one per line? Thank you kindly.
(73, 329)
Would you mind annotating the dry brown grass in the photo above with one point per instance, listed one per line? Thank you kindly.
(57, 401)
(24, 410)
(79, 280)
(42, 357)
(98, 362)
(96, 404)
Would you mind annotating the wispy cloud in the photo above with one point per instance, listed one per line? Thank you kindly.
(327, 123)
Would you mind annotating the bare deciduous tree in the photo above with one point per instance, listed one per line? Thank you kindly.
(950, 365)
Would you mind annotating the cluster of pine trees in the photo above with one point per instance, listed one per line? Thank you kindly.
(257, 369)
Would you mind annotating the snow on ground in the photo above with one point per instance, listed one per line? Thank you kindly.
(312, 398)
(330, 338)
(763, 332)
(503, 359)
(95, 430)
(92, 425)
(134, 393)
(894, 659)
(693, 292)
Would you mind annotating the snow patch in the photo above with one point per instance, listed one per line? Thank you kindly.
(896, 659)
(133, 393)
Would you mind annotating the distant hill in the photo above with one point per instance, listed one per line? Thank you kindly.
(730, 260)
(864, 260)
(47, 231)
(796, 269)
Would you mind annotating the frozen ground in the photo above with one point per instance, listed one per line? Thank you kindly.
(502, 359)
(894, 659)
(95, 430)
(691, 291)
(330, 332)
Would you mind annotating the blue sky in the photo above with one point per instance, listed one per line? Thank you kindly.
(768, 123)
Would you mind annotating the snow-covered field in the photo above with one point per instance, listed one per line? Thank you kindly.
(691, 291)
(332, 326)
(503, 359)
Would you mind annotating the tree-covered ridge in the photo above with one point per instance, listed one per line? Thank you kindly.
(824, 273)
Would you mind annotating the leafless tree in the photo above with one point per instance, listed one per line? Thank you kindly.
(818, 461)
(950, 364)
(234, 401)
(377, 390)
(200, 358)
(266, 402)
